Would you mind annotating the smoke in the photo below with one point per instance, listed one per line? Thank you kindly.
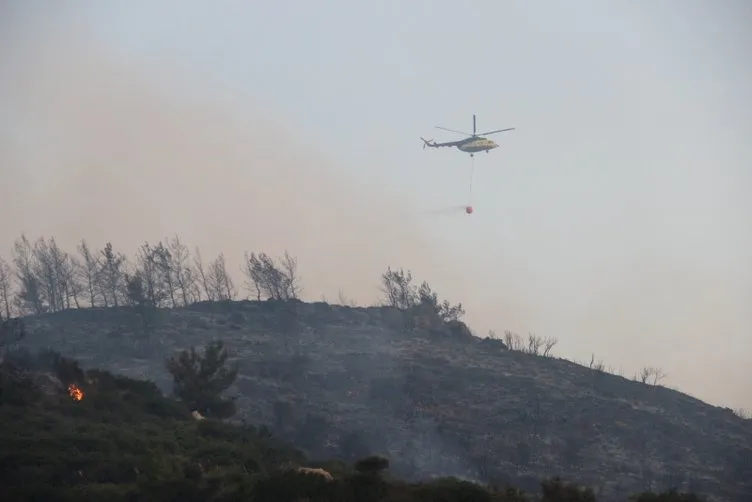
(98, 147)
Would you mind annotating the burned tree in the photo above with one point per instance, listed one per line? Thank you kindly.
(534, 343)
(151, 275)
(202, 278)
(5, 289)
(181, 271)
(90, 273)
(135, 293)
(64, 267)
(56, 271)
(30, 295)
(269, 280)
(112, 274)
(220, 281)
(513, 341)
(44, 271)
(163, 260)
(548, 345)
(651, 375)
(446, 311)
(214, 281)
(400, 292)
(398, 289)
(137, 297)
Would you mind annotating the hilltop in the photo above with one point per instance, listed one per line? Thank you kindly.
(344, 382)
(407, 380)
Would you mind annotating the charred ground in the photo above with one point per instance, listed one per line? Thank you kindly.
(347, 382)
(75, 435)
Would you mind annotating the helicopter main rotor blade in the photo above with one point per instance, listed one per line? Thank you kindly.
(497, 130)
(452, 130)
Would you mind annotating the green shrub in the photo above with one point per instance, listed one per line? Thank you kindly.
(200, 379)
(451, 490)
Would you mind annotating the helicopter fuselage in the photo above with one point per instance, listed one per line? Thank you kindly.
(477, 144)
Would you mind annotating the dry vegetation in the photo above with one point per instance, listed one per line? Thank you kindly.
(406, 379)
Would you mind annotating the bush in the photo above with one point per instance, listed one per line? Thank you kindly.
(122, 438)
(200, 380)
(372, 465)
(451, 490)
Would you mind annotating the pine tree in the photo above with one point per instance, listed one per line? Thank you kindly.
(200, 380)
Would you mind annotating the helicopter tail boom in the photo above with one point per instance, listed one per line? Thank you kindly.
(433, 144)
(428, 142)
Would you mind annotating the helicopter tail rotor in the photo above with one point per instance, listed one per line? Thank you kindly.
(427, 142)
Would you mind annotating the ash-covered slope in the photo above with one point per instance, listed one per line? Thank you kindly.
(346, 382)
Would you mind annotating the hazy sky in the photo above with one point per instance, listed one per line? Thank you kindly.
(614, 217)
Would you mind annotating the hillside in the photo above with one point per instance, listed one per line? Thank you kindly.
(74, 435)
(347, 382)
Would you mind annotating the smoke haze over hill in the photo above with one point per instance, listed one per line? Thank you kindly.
(97, 145)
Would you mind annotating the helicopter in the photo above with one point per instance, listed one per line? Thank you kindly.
(472, 144)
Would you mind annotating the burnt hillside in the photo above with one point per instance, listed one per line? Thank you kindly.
(345, 382)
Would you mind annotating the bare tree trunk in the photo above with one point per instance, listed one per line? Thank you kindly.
(163, 260)
(203, 277)
(219, 278)
(5, 287)
(89, 270)
(112, 270)
(29, 297)
(181, 268)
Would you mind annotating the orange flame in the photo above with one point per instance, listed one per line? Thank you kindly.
(75, 392)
